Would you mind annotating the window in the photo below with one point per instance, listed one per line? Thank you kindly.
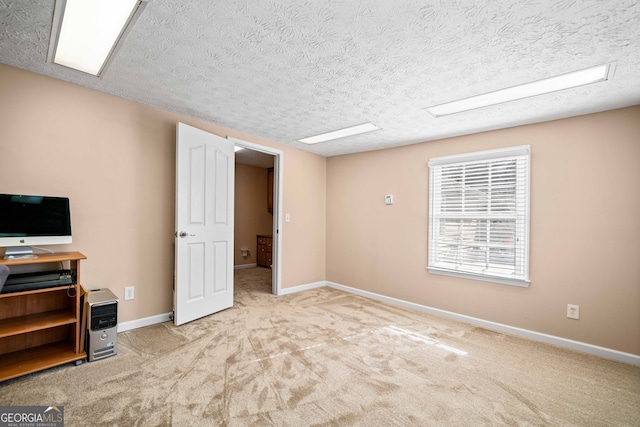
(479, 215)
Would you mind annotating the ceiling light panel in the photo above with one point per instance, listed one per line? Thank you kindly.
(341, 133)
(539, 87)
(88, 31)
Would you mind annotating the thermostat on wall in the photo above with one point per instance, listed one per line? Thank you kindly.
(388, 200)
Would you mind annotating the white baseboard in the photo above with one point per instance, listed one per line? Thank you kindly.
(146, 321)
(294, 289)
(241, 266)
(525, 333)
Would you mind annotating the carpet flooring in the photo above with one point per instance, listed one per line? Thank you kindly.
(324, 357)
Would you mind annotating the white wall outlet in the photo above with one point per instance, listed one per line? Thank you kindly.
(573, 311)
(129, 293)
(388, 200)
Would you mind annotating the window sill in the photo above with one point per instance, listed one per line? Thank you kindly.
(494, 279)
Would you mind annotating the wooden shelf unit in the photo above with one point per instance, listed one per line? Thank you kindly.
(40, 329)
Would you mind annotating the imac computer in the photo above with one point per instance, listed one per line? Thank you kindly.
(27, 221)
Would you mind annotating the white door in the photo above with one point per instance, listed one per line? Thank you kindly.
(204, 224)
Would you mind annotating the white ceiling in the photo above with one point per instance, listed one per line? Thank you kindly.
(287, 69)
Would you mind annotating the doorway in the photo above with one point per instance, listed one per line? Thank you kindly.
(264, 158)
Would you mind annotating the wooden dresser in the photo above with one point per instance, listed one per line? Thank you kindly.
(265, 244)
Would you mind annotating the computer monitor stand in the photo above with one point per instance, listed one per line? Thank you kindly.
(19, 252)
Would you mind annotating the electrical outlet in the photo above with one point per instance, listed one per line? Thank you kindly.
(573, 311)
(129, 293)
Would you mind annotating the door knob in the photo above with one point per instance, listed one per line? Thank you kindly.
(183, 234)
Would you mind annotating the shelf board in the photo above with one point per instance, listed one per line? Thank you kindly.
(44, 258)
(35, 359)
(39, 291)
(35, 322)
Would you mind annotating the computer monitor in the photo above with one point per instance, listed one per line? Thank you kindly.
(27, 221)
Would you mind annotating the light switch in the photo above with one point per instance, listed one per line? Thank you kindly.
(287, 218)
(388, 200)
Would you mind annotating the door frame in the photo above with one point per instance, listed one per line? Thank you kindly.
(278, 172)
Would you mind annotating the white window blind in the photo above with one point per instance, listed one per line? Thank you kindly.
(479, 215)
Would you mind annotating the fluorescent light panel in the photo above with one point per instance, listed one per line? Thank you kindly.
(552, 84)
(350, 131)
(89, 31)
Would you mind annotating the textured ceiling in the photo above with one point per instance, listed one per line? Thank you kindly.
(287, 69)
(254, 158)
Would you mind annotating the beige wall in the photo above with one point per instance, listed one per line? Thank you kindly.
(308, 215)
(251, 215)
(115, 159)
(585, 232)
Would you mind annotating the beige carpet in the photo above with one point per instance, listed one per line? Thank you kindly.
(325, 357)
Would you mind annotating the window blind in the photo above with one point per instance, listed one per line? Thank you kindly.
(479, 215)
